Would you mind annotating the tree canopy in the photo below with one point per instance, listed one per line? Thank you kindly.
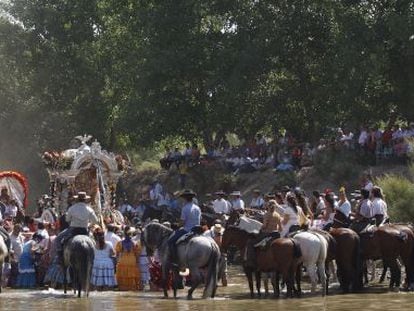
(135, 72)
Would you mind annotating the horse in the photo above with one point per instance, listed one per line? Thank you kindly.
(234, 236)
(407, 251)
(198, 253)
(282, 257)
(331, 253)
(314, 250)
(3, 255)
(389, 242)
(348, 258)
(78, 258)
(279, 258)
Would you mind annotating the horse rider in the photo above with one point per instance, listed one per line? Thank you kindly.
(237, 204)
(190, 219)
(270, 230)
(291, 216)
(364, 212)
(379, 207)
(221, 205)
(79, 216)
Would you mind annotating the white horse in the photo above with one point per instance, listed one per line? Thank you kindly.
(3, 255)
(314, 249)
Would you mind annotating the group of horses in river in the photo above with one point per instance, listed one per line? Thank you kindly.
(283, 259)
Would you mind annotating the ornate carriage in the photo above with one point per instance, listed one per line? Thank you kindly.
(87, 168)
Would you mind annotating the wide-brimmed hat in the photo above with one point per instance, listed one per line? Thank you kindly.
(81, 195)
(257, 191)
(218, 228)
(220, 192)
(187, 193)
(236, 193)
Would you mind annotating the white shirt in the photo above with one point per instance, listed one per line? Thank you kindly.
(321, 205)
(17, 246)
(237, 204)
(363, 137)
(221, 206)
(80, 215)
(112, 238)
(293, 219)
(345, 208)
(257, 202)
(379, 207)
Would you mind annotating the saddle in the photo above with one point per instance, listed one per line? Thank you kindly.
(185, 238)
(266, 241)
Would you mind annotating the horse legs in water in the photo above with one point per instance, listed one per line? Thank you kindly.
(313, 276)
(384, 273)
(249, 274)
(258, 277)
(164, 271)
(395, 272)
(196, 280)
(266, 284)
(298, 277)
(65, 280)
(322, 276)
(275, 284)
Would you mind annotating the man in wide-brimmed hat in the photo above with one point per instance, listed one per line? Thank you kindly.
(257, 200)
(79, 216)
(237, 204)
(190, 218)
(220, 204)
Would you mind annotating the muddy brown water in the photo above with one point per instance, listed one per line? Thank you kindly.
(232, 298)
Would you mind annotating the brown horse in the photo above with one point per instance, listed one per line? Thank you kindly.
(235, 237)
(389, 242)
(280, 257)
(348, 259)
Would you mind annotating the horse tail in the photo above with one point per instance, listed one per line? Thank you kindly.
(212, 272)
(297, 252)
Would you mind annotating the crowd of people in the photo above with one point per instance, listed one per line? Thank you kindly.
(121, 261)
(286, 153)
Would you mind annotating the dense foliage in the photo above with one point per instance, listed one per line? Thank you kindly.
(135, 72)
(399, 193)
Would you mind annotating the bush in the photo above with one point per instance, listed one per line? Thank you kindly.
(399, 195)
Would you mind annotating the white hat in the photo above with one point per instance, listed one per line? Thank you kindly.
(236, 193)
(218, 228)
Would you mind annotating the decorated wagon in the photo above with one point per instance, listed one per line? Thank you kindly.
(14, 194)
(86, 168)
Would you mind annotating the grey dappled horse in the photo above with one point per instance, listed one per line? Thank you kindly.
(3, 255)
(78, 258)
(199, 252)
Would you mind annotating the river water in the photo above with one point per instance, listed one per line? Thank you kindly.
(232, 298)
